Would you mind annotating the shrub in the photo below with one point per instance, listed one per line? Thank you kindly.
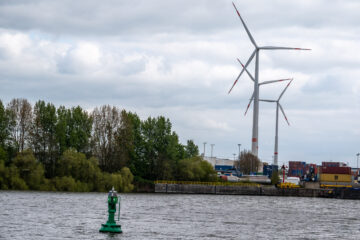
(29, 169)
(196, 169)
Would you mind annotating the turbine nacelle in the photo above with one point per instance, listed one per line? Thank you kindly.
(257, 48)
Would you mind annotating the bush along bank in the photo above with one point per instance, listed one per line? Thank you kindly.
(44, 147)
(74, 172)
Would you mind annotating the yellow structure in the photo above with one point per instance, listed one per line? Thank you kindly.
(288, 185)
(335, 186)
(324, 177)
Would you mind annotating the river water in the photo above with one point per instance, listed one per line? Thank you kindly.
(49, 215)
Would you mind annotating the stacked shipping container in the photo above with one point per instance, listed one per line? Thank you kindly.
(334, 172)
(268, 169)
(296, 169)
(328, 171)
(330, 164)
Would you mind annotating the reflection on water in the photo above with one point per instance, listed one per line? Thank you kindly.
(47, 215)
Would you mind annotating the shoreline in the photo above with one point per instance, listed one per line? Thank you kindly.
(262, 190)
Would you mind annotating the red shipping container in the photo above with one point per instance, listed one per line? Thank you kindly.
(296, 164)
(336, 170)
(330, 164)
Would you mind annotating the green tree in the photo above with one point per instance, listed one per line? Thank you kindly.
(83, 174)
(191, 149)
(275, 177)
(7, 125)
(127, 178)
(67, 183)
(196, 169)
(106, 121)
(43, 136)
(10, 178)
(121, 181)
(160, 148)
(74, 164)
(247, 162)
(4, 125)
(80, 129)
(3, 157)
(124, 139)
(62, 135)
(73, 129)
(29, 169)
(21, 114)
(137, 157)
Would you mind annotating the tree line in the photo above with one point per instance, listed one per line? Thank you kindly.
(112, 140)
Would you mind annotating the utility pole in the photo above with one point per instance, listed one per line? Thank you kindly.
(204, 148)
(234, 155)
(212, 147)
(357, 164)
(239, 150)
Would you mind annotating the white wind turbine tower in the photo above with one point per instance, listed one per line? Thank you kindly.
(256, 52)
(278, 105)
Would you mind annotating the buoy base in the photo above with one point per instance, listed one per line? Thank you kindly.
(110, 227)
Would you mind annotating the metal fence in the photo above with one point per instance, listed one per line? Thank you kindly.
(244, 184)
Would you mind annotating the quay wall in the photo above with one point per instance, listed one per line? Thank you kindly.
(237, 190)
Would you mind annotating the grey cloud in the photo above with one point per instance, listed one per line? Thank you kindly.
(114, 17)
(133, 67)
(178, 59)
(143, 17)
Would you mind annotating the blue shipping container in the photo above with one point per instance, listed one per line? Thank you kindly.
(268, 169)
(223, 167)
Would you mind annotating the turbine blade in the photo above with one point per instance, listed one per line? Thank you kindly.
(249, 74)
(247, 63)
(282, 93)
(247, 30)
(251, 99)
(267, 100)
(282, 48)
(273, 81)
(282, 110)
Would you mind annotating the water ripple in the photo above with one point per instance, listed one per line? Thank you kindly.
(47, 215)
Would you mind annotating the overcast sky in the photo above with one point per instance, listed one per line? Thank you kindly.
(178, 59)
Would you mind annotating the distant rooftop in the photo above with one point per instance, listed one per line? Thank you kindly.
(219, 161)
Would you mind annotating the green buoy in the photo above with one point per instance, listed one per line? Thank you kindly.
(110, 225)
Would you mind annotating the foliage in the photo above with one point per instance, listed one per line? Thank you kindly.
(20, 113)
(29, 170)
(191, 150)
(124, 141)
(4, 125)
(73, 129)
(43, 136)
(86, 171)
(69, 149)
(247, 162)
(3, 183)
(105, 122)
(68, 183)
(275, 177)
(196, 169)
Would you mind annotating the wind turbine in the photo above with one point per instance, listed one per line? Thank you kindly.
(262, 83)
(256, 52)
(278, 105)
